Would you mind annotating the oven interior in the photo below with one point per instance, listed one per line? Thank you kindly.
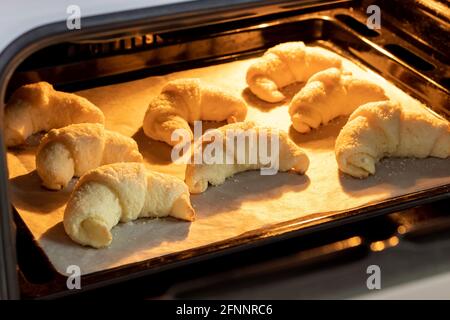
(412, 56)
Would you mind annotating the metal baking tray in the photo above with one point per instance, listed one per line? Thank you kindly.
(415, 72)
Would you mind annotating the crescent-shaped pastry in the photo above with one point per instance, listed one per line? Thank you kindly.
(75, 149)
(329, 94)
(183, 101)
(122, 192)
(387, 129)
(244, 155)
(38, 107)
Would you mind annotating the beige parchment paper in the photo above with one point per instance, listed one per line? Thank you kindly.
(245, 202)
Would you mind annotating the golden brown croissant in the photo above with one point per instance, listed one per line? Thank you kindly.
(284, 64)
(184, 101)
(288, 156)
(329, 94)
(122, 192)
(387, 129)
(75, 149)
(38, 107)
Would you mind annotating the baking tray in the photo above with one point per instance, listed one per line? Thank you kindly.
(315, 28)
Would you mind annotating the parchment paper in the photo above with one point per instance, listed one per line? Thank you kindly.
(245, 202)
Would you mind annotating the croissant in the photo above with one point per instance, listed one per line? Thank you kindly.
(122, 192)
(184, 101)
(387, 129)
(289, 157)
(329, 94)
(285, 64)
(75, 149)
(38, 107)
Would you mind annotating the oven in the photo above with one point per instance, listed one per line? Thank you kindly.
(326, 254)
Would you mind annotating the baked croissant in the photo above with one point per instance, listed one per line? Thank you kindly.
(285, 64)
(38, 107)
(387, 129)
(329, 94)
(289, 157)
(184, 101)
(75, 149)
(122, 192)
